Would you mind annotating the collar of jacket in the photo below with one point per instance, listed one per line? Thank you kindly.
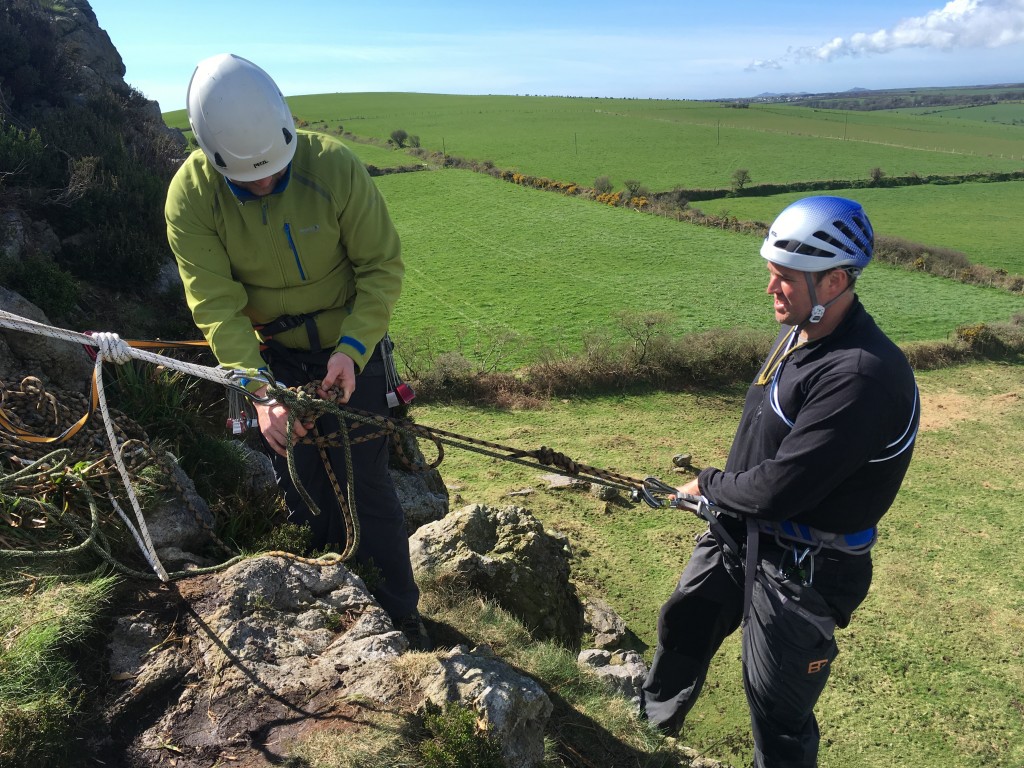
(244, 195)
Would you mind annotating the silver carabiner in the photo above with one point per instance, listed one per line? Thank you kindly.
(239, 378)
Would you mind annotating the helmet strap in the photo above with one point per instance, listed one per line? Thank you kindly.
(818, 310)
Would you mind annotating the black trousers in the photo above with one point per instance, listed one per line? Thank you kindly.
(787, 650)
(384, 540)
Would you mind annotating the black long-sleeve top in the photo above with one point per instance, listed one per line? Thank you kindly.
(827, 440)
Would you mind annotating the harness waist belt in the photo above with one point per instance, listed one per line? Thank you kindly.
(287, 322)
(852, 543)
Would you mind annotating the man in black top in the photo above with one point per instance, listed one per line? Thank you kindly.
(823, 444)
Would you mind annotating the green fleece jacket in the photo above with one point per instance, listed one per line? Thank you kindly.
(325, 243)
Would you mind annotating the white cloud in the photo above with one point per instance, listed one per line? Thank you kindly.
(960, 24)
(759, 64)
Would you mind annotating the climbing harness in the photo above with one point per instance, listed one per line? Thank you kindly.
(799, 543)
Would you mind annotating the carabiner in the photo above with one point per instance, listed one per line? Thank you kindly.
(243, 377)
(653, 485)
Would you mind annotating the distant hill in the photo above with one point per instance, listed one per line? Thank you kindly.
(897, 98)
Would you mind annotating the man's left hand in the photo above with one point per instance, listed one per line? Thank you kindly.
(341, 376)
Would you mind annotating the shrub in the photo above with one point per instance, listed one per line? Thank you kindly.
(399, 137)
(43, 283)
(602, 185)
(450, 375)
(636, 189)
(981, 340)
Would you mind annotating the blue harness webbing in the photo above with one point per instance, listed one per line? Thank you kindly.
(797, 533)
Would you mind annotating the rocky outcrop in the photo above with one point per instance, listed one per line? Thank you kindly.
(603, 624)
(506, 555)
(623, 671)
(233, 666)
(421, 490)
(99, 64)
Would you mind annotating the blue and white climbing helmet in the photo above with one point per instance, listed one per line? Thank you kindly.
(819, 233)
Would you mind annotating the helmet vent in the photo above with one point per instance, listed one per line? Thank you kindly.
(838, 244)
(862, 239)
(287, 136)
(219, 160)
(795, 246)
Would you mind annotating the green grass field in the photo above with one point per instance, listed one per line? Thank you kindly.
(668, 144)
(486, 258)
(982, 220)
(1010, 113)
(930, 672)
(382, 157)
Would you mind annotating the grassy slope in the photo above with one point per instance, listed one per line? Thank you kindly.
(931, 670)
(981, 220)
(484, 256)
(665, 144)
(1009, 112)
(382, 157)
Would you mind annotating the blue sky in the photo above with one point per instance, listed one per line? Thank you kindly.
(644, 49)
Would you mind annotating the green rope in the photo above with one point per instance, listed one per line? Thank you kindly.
(300, 404)
(52, 469)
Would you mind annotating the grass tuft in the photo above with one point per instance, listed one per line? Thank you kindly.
(41, 691)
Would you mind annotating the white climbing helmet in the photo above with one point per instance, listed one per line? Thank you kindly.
(819, 233)
(240, 118)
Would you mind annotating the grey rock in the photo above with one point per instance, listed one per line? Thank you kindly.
(56, 361)
(602, 622)
(507, 555)
(180, 519)
(513, 707)
(623, 671)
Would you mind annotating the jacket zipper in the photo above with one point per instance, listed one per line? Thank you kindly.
(295, 251)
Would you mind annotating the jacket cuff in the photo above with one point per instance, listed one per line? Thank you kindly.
(354, 349)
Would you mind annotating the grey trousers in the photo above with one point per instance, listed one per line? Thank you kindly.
(384, 540)
(787, 649)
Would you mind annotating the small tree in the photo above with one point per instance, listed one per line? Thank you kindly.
(399, 137)
(740, 179)
(877, 174)
(636, 189)
(643, 328)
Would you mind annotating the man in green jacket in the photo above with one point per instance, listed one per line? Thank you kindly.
(284, 231)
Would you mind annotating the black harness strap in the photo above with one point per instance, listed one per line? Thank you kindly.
(267, 331)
